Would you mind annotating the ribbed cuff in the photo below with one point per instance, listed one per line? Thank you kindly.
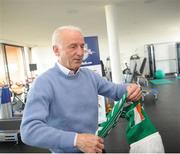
(75, 140)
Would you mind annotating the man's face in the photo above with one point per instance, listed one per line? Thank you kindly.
(71, 51)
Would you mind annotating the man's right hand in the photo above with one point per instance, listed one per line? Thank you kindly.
(89, 143)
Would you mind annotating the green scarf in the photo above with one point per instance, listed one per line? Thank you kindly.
(140, 131)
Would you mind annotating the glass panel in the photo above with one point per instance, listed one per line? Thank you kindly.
(15, 64)
(178, 51)
(168, 66)
(2, 68)
(178, 57)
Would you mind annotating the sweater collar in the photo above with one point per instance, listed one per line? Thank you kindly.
(65, 70)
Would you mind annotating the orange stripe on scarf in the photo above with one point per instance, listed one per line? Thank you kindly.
(138, 107)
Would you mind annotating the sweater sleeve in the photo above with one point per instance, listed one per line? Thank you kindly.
(34, 128)
(110, 89)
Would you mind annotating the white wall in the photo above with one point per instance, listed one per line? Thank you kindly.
(1, 15)
(43, 57)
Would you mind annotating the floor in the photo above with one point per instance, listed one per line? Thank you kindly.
(164, 113)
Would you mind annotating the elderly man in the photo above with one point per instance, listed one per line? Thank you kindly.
(61, 112)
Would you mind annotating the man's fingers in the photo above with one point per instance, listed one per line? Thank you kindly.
(101, 140)
(131, 88)
(90, 143)
(135, 95)
(100, 146)
(134, 92)
(98, 150)
(138, 96)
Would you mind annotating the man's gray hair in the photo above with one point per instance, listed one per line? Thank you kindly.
(56, 38)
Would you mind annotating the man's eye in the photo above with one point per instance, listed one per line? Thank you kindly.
(73, 46)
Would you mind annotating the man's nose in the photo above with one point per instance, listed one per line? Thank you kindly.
(80, 51)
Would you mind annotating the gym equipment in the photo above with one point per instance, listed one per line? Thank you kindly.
(130, 73)
(151, 59)
(127, 74)
(141, 70)
(135, 72)
(135, 59)
(164, 55)
(153, 91)
(159, 74)
(126, 70)
(136, 76)
(142, 81)
(178, 57)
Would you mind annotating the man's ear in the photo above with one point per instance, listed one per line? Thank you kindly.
(56, 50)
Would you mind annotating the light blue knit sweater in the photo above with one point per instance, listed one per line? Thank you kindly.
(59, 106)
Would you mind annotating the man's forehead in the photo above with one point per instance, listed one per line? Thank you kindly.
(74, 41)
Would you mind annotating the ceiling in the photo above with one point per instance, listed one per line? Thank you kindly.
(32, 21)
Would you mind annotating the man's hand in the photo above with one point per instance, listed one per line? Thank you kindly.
(134, 92)
(89, 143)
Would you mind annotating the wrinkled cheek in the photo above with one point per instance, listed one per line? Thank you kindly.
(72, 64)
(77, 65)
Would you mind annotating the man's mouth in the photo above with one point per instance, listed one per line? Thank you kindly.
(78, 60)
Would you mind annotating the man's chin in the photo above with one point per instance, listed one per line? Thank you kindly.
(78, 64)
(75, 68)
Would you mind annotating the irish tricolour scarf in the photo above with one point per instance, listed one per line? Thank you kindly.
(141, 134)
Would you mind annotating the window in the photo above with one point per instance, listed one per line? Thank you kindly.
(12, 61)
(3, 77)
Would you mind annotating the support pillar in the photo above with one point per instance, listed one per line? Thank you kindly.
(113, 42)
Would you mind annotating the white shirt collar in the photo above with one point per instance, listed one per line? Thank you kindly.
(65, 70)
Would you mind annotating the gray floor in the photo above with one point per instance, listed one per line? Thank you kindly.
(164, 113)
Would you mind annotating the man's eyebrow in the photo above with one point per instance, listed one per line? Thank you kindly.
(76, 44)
